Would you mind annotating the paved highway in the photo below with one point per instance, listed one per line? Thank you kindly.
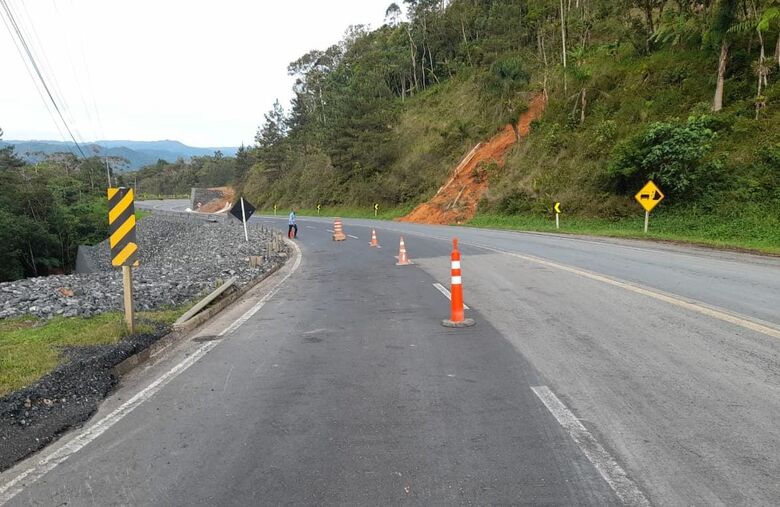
(599, 372)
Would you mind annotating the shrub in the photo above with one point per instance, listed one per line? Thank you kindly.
(669, 153)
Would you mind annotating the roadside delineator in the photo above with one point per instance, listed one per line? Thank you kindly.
(457, 313)
(338, 231)
(374, 242)
(403, 260)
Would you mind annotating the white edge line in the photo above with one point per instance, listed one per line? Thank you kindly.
(626, 490)
(447, 294)
(16, 485)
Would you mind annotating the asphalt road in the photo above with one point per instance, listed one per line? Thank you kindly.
(599, 372)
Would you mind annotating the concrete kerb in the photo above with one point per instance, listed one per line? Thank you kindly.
(183, 331)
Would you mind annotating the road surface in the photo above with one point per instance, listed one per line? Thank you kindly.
(599, 372)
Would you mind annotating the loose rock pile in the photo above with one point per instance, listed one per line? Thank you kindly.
(180, 258)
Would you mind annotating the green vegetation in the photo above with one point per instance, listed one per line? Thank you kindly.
(166, 180)
(29, 348)
(346, 212)
(747, 232)
(46, 211)
(682, 92)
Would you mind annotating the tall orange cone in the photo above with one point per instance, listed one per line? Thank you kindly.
(338, 231)
(374, 242)
(457, 314)
(403, 260)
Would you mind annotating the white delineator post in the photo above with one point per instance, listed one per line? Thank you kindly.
(557, 220)
(647, 220)
(243, 219)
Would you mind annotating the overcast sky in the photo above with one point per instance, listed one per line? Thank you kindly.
(200, 72)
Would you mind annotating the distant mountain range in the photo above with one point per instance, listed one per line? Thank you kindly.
(137, 153)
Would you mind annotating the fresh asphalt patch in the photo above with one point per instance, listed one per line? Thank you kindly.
(34, 416)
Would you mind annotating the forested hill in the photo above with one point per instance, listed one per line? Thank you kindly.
(129, 155)
(684, 92)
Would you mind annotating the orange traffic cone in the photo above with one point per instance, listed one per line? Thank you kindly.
(338, 231)
(374, 242)
(403, 260)
(457, 314)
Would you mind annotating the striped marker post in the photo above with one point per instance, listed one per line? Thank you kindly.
(457, 313)
(338, 231)
(122, 240)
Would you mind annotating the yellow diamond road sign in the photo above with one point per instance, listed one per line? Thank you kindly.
(649, 196)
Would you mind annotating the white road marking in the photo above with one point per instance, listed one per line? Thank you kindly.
(16, 485)
(444, 290)
(329, 230)
(626, 490)
(310, 227)
(353, 237)
(695, 306)
(765, 328)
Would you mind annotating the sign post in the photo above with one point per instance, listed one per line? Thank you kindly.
(243, 213)
(649, 197)
(318, 209)
(122, 240)
(274, 209)
(243, 219)
(376, 209)
(557, 209)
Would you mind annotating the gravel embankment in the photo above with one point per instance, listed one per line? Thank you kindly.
(180, 259)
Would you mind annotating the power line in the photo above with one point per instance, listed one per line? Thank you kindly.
(32, 78)
(38, 72)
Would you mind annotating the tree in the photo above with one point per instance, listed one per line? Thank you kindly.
(273, 130)
(718, 35)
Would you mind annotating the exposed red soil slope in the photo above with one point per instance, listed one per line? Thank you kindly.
(223, 196)
(456, 201)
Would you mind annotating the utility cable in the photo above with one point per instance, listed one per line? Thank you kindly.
(30, 56)
(36, 85)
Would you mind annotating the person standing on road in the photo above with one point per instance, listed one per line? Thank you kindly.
(292, 227)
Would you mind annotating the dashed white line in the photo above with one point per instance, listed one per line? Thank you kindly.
(353, 237)
(626, 490)
(444, 290)
(16, 485)
(310, 227)
(693, 305)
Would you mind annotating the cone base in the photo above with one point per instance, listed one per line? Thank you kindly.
(409, 263)
(339, 237)
(462, 323)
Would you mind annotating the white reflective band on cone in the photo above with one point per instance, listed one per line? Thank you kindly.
(456, 280)
(455, 264)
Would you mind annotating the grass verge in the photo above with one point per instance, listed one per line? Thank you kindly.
(756, 234)
(30, 348)
(346, 212)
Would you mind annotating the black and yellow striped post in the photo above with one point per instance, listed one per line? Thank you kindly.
(124, 248)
